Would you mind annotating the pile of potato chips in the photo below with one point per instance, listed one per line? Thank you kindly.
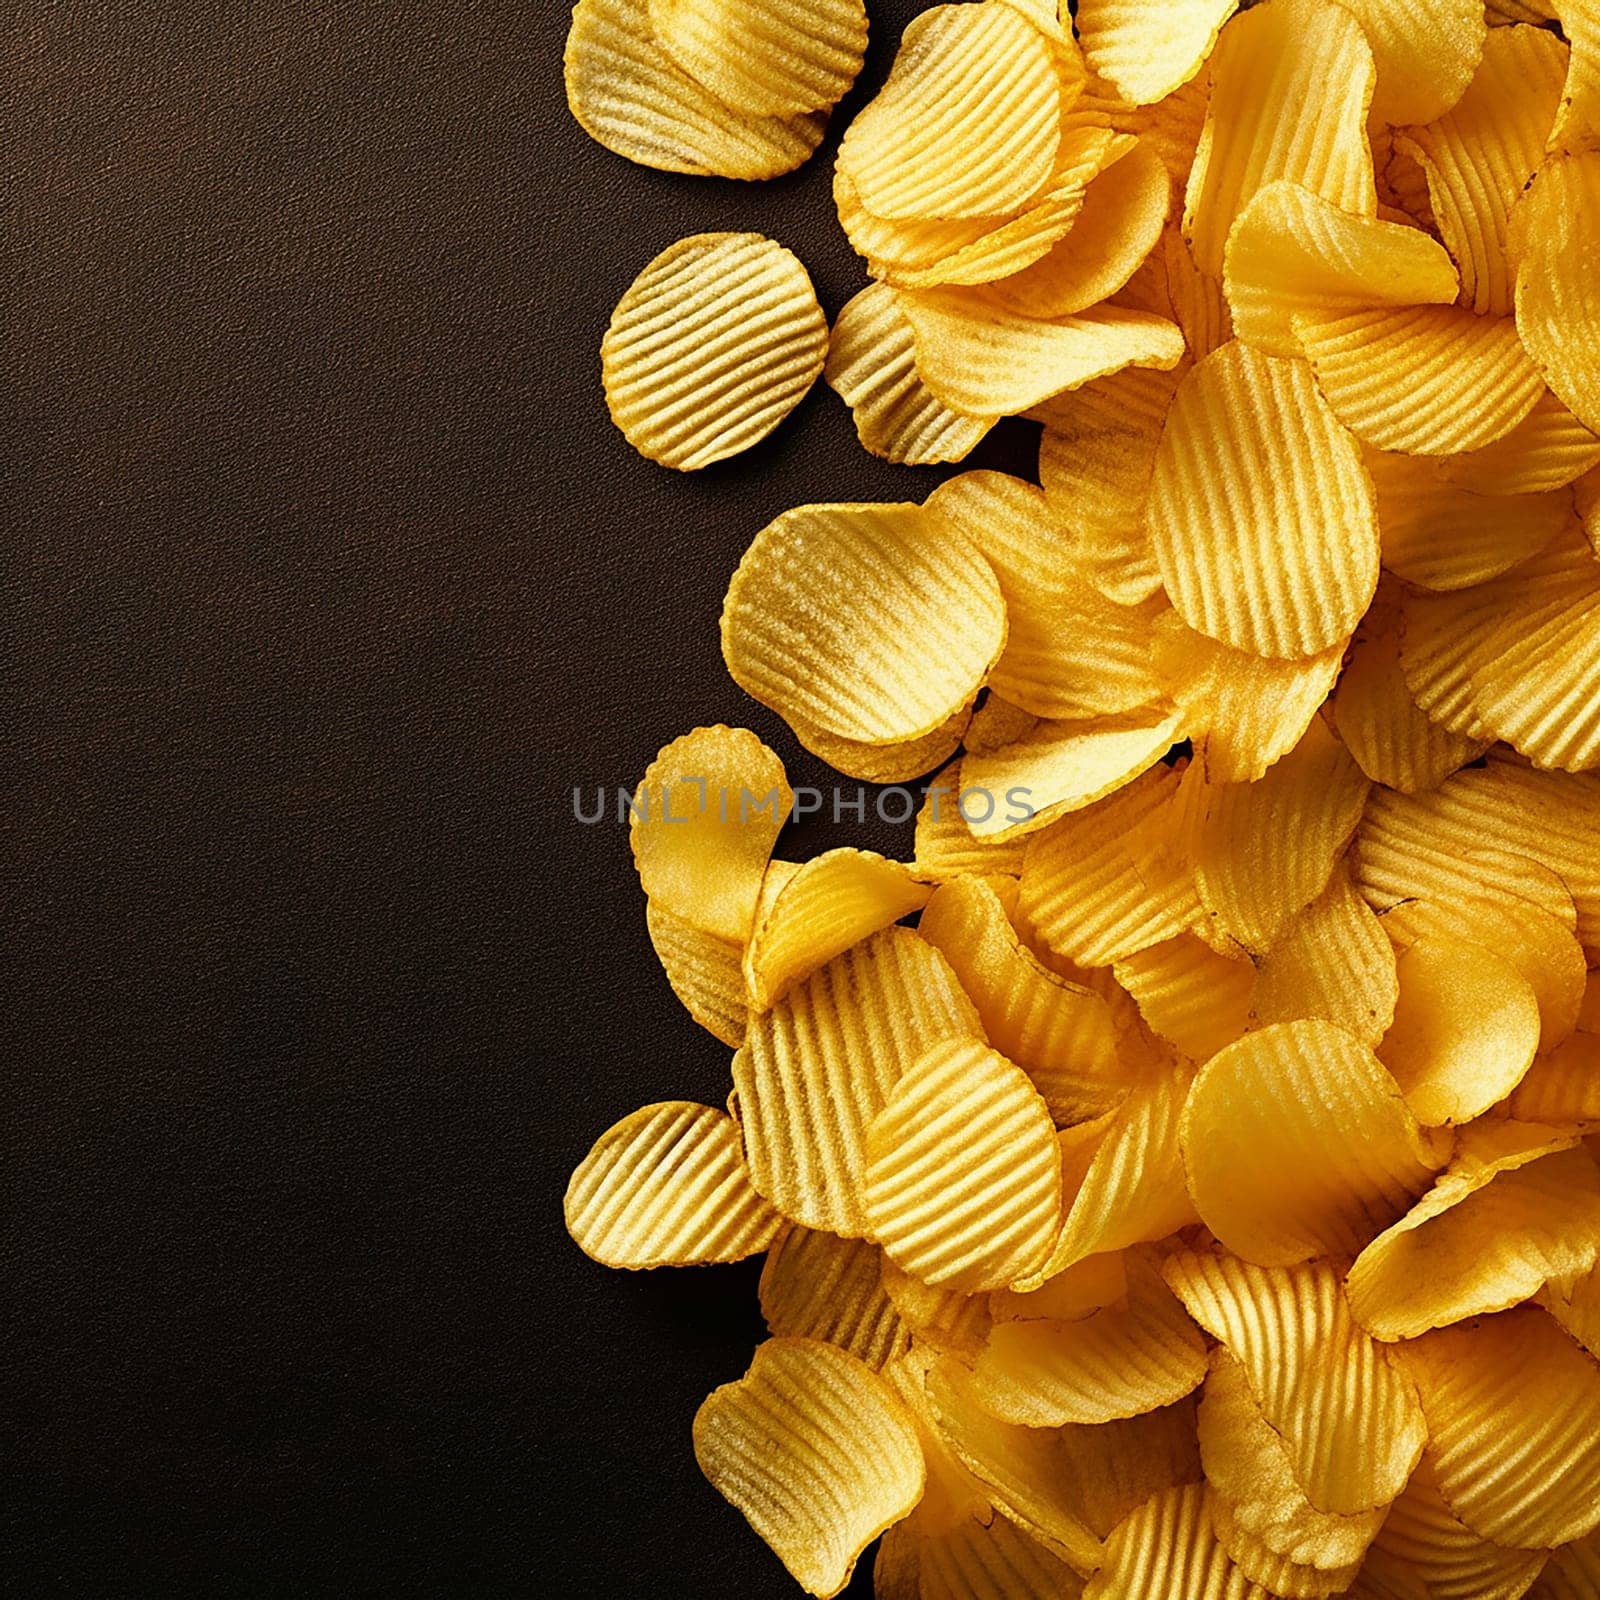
(1179, 1180)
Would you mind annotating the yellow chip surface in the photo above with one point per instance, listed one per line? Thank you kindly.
(1169, 1547)
(1426, 52)
(706, 973)
(1149, 50)
(817, 1286)
(817, 1451)
(713, 345)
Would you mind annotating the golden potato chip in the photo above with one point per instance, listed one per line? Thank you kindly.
(629, 96)
(966, 125)
(706, 972)
(1096, 458)
(1070, 1296)
(1190, 995)
(1466, 1028)
(1348, 1417)
(1573, 1299)
(712, 346)
(983, 359)
(1513, 1409)
(1242, 711)
(1292, 251)
(1578, 125)
(1059, 1033)
(1573, 1572)
(1133, 1190)
(1422, 1532)
(1276, 1574)
(1479, 156)
(1427, 380)
(997, 723)
(997, 1561)
(1168, 1547)
(1091, 887)
(702, 826)
(940, 1318)
(770, 59)
(1547, 450)
(872, 367)
(1062, 767)
(1009, 520)
(817, 1451)
(861, 622)
(1333, 962)
(1426, 53)
(1475, 1245)
(1266, 538)
(1247, 1465)
(953, 1494)
(1198, 304)
(1558, 304)
(1120, 1361)
(886, 763)
(1290, 85)
(962, 1183)
(817, 1068)
(817, 1286)
(946, 847)
(1148, 51)
(666, 1186)
(1563, 1086)
(1172, 127)
(1264, 851)
(1298, 1144)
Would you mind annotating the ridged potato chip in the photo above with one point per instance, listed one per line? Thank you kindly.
(817, 1068)
(1190, 995)
(706, 973)
(1069, 1296)
(1269, 557)
(712, 346)
(773, 58)
(1426, 52)
(1547, 450)
(1298, 1144)
(817, 1286)
(859, 621)
(1149, 51)
(886, 763)
(947, 848)
(1573, 1572)
(628, 95)
(962, 1184)
(1168, 1547)
(817, 1451)
(1563, 1086)
(1349, 1418)
(940, 1318)
(1275, 1574)
(666, 1186)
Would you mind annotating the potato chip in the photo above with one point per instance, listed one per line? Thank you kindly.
(666, 1186)
(946, 847)
(1348, 1417)
(1292, 251)
(1247, 1465)
(1298, 1144)
(1190, 995)
(1290, 85)
(1578, 125)
(1172, 127)
(1426, 53)
(771, 59)
(1058, 1032)
(818, 1453)
(886, 763)
(1276, 1574)
(1266, 537)
(983, 359)
(994, 1561)
(1547, 450)
(997, 723)
(629, 96)
(1198, 303)
(858, 620)
(872, 368)
(1422, 1532)
(1573, 1572)
(817, 1068)
(702, 826)
(1333, 962)
(1149, 51)
(1119, 1361)
(1573, 1299)
(712, 346)
(962, 1183)
(1464, 1251)
(706, 973)
(817, 1286)
(1168, 1547)
(1009, 520)
(1070, 1296)
(1563, 1086)
(1513, 1409)
(1479, 156)
(967, 124)
(940, 1318)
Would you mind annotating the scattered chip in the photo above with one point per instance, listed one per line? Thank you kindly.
(817, 1286)
(1148, 51)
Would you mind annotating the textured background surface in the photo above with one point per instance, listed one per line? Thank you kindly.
(327, 578)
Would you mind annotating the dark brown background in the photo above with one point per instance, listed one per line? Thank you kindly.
(326, 578)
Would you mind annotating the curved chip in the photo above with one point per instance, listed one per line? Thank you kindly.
(1563, 1086)
(702, 826)
(629, 96)
(773, 58)
(1168, 1547)
(1149, 51)
(946, 847)
(666, 1186)
(1290, 86)
(706, 973)
(1070, 1296)
(1557, 293)
(817, 1451)
(1513, 1409)
(860, 621)
(1260, 512)
(1348, 1417)
(963, 1175)
(1547, 450)
(1426, 53)
(1120, 1361)
(872, 366)
(1275, 1573)
(1188, 994)
(817, 1286)
(966, 125)
(817, 1068)
(1292, 251)
(712, 346)
(940, 1318)
(1298, 1144)
(997, 1561)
